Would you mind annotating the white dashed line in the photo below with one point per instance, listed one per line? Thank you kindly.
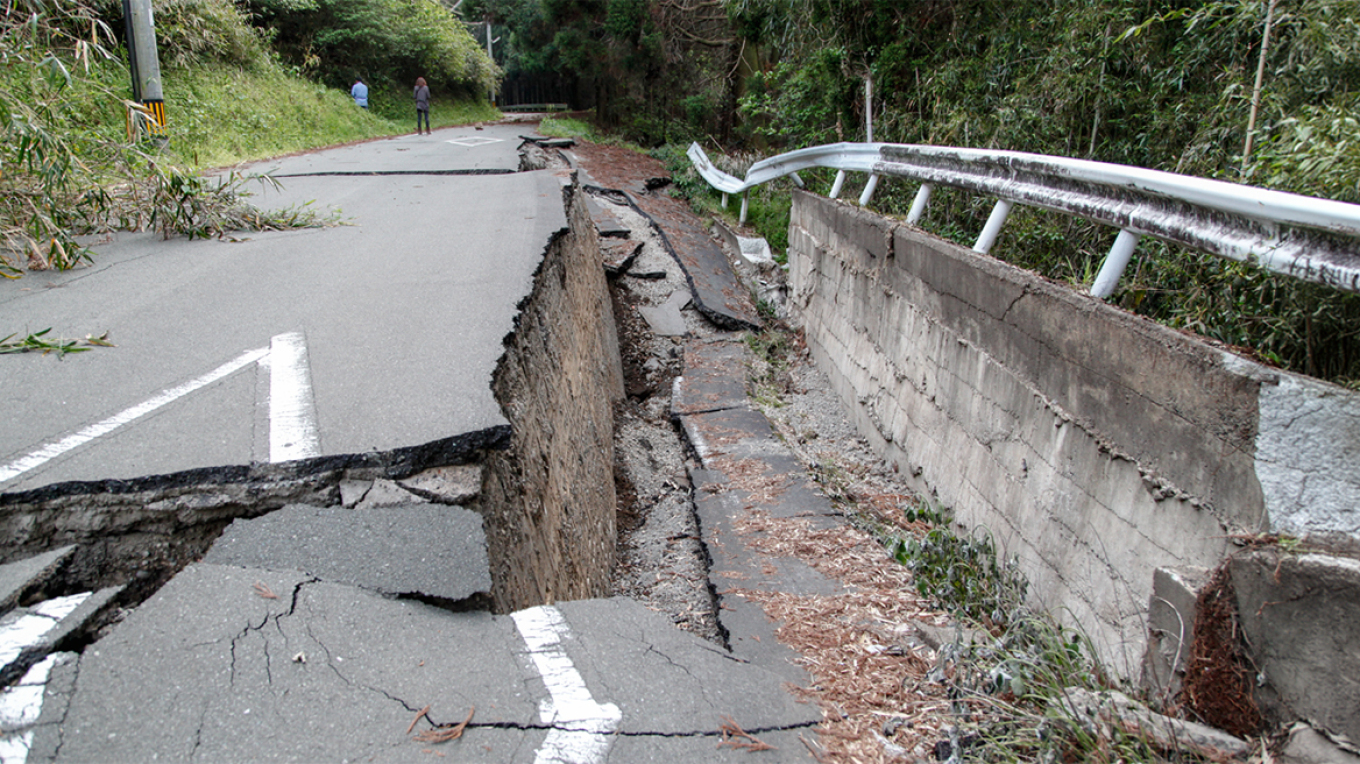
(292, 413)
(582, 728)
(49, 452)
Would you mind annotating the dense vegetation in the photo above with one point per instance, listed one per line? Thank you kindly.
(71, 164)
(1168, 85)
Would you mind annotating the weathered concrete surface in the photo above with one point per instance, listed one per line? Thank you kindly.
(1298, 613)
(708, 383)
(426, 549)
(1095, 445)
(745, 470)
(209, 670)
(1307, 447)
(1171, 628)
(1112, 709)
(549, 499)
(1307, 746)
(665, 319)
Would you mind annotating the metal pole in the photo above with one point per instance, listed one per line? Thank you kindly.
(868, 190)
(836, 186)
(491, 93)
(1000, 212)
(868, 108)
(1114, 264)
(144, 62)
(918, 205)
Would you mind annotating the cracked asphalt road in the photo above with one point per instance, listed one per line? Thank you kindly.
(214, 669)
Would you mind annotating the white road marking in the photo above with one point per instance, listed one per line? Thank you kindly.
(292, 412)
(52, 451)
(581, 727)
(20, 707)
(28, 629)
(472, 141)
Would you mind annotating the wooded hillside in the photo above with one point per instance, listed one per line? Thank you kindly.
(1165, 85)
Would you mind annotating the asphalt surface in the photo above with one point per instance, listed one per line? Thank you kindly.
(342, 633)
(384, 330)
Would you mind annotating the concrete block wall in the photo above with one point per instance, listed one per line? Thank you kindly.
(1096, 446)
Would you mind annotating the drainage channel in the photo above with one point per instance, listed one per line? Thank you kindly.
(82, 556)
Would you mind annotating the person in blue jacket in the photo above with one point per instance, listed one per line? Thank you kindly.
(360, 92)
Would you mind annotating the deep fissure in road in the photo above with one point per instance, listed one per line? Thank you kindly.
(545, 485)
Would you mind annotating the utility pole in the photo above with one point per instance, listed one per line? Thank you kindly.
(145, 63)
(492, 93)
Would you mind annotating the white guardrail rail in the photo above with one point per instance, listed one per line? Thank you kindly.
(1313, 239)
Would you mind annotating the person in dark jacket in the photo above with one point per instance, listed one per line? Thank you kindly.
(422, 105)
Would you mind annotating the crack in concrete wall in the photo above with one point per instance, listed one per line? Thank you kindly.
(1095, 445)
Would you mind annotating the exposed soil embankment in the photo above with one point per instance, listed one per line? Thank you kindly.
(549, 500)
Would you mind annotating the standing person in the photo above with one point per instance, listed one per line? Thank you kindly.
(360, 92)
(422, 105)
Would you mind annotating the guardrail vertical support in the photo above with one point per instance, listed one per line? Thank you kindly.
(918, 205)
(1114, 264)
(797, 180)
(1000, 212)
(836, 187)
(744, 200)
(724, 201)
(868, 190)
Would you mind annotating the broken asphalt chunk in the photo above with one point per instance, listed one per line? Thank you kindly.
(431, 550)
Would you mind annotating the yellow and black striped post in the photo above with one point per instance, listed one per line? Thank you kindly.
(155, 126)
(148, 111)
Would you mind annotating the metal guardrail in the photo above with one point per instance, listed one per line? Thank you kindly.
(1312, 239)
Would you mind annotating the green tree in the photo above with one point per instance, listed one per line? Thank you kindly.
(390, 42)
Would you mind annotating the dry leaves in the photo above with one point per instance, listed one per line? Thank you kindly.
(440, 734)
(733, 736)
(867, 677)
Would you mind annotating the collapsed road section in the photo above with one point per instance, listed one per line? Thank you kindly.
(341, 607)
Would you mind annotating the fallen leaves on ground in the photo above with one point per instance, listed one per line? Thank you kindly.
(441, 734)
(733, 736)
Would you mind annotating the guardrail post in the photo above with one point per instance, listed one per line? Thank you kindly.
(989, 232)
(868, 190)
(1114, 264)
(836, 187)
(797, 180)
(724, 201)
(918, 205)
(742, 220)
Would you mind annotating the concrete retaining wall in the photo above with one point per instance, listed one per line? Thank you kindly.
(549, 499)
(1095, 445)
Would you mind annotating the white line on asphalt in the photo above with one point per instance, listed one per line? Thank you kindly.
(47, 453)
(292, 413)
(20, 707)
(473, 142)
(29, 628)
(581, 727)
